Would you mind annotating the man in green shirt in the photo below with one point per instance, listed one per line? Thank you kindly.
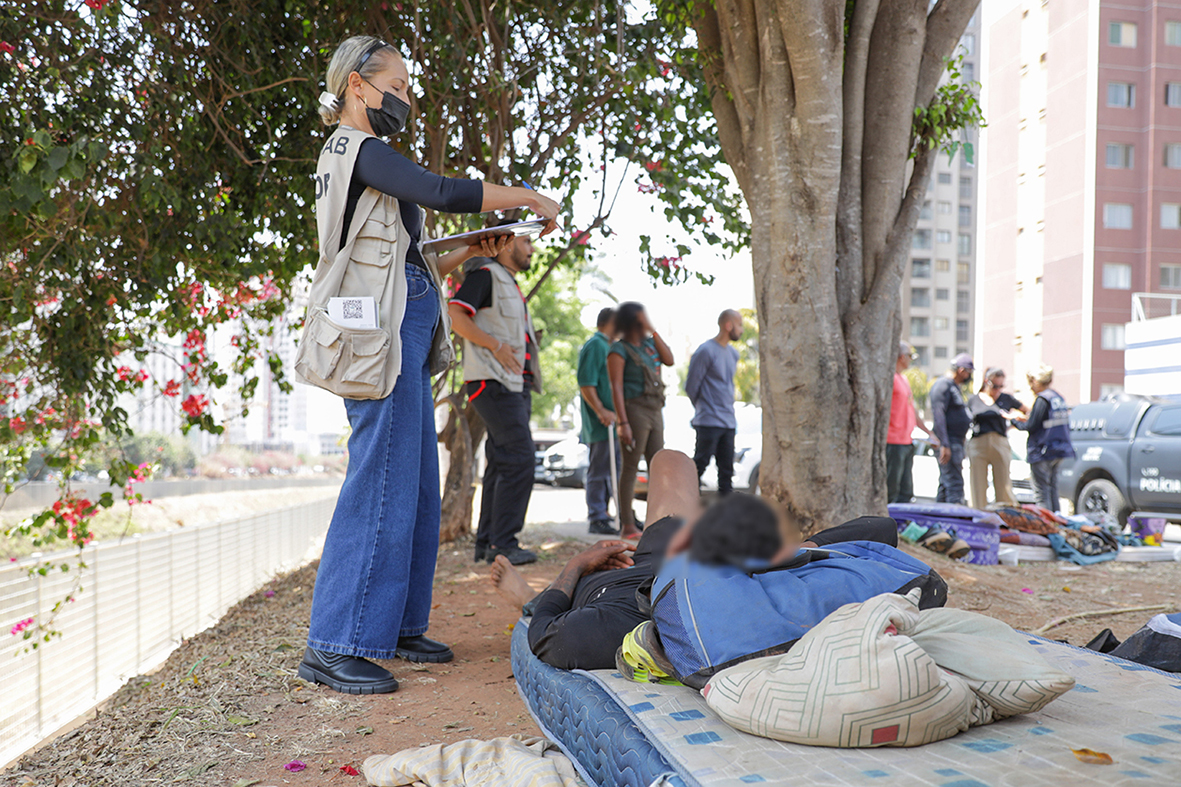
(598, 415)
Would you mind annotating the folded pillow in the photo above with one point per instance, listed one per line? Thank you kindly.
(884, 673)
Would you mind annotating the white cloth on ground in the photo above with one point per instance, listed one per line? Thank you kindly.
(517, 760)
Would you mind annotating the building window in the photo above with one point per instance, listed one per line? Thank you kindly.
(965, 188)
(921, 326)
(1122, 34)
(920, 269)
(944, 178)
(1119, 156)
(940, 352)
(963, 301)
(1170, 277)
(964, 245)
(1117, 216)
(943, 236)
(963, 273)
(922, 239)
(920, 355)
(968, 42)
(969, 72)
(925, 211)
(942, 266)
(1121, 94)
(1173, 156)
(920, 297)
(945, 207)
(961, 332)
(1173, 33)
(942, 294)
(1112, 337)
(1173, 94)
(965, 215)
(1117, 276)
(1170, 216)
(940, 323)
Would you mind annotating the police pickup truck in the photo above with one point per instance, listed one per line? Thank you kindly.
(1128, 456)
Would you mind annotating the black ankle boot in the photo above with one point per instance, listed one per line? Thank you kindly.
(346, 674)
(422, 649)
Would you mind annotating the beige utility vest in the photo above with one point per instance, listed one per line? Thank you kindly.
(351, 362)
(506, 320)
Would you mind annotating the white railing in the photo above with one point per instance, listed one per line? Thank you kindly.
(141, 596)
(1150, 305)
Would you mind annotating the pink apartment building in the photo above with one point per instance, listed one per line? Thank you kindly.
(1081, 191)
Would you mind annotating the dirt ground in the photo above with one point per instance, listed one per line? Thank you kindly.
(228, 709)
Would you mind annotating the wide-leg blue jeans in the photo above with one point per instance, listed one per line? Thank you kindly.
(378, 566)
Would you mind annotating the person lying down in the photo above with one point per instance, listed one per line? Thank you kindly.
(602, 594)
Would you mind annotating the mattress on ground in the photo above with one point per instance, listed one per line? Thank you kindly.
(1126, 710)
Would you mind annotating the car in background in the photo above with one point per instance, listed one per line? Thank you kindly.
(566, 463)
(1127, 457)
(926, 469)
(543, 440)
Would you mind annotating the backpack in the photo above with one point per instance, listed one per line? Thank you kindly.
(709, 618)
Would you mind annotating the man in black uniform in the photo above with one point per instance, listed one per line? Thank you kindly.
(580, 620)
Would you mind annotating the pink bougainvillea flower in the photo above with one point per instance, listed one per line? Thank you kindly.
(172, 388)
(7, 48)
(194, 405)
(350, 770)
(97, 5)
(295, 766)
(21, 626)
(269, 594)
(17, 424)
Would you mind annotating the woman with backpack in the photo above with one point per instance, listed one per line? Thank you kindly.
(633, 367)
(1048, 425)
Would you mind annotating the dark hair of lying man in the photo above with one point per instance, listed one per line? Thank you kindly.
(735, 529)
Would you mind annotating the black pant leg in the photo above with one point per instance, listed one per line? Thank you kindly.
(705, 448)
(506, 413)
(724, 456)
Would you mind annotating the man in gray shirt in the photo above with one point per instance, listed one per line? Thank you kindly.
(710, 386)
(952, 421)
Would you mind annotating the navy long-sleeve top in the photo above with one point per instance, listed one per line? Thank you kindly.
(380, 167)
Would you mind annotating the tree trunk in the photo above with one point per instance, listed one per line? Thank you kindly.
(462, 435)
(814, 105)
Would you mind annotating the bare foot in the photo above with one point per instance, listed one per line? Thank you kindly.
(509, 583)
(630, 535)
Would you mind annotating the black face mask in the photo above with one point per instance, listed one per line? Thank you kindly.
(390, 118)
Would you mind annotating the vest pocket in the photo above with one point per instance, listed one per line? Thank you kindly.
(321, 349)
(367, 352)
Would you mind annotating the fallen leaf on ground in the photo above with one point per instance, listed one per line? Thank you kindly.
(246, 782)
(1093, 757)
(241, 721)
(350, 770)
(364, 730)
(295, 766)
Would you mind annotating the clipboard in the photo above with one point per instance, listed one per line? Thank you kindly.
(451, 242)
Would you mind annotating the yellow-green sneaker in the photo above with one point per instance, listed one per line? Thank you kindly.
(641, 658)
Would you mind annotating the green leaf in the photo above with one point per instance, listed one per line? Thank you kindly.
(241, 721)
(28, 159)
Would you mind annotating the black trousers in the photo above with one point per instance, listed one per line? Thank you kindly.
(717, 443)
(511, 454)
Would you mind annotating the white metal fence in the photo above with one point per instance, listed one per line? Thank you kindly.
(141, 596)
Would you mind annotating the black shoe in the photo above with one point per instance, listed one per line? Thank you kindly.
(422, 649)
(515, 555)
(602, 527)
(346, 674)
(480, 553)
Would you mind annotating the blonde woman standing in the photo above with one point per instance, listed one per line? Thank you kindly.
(373, 588)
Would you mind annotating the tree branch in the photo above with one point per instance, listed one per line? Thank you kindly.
(945, 26)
